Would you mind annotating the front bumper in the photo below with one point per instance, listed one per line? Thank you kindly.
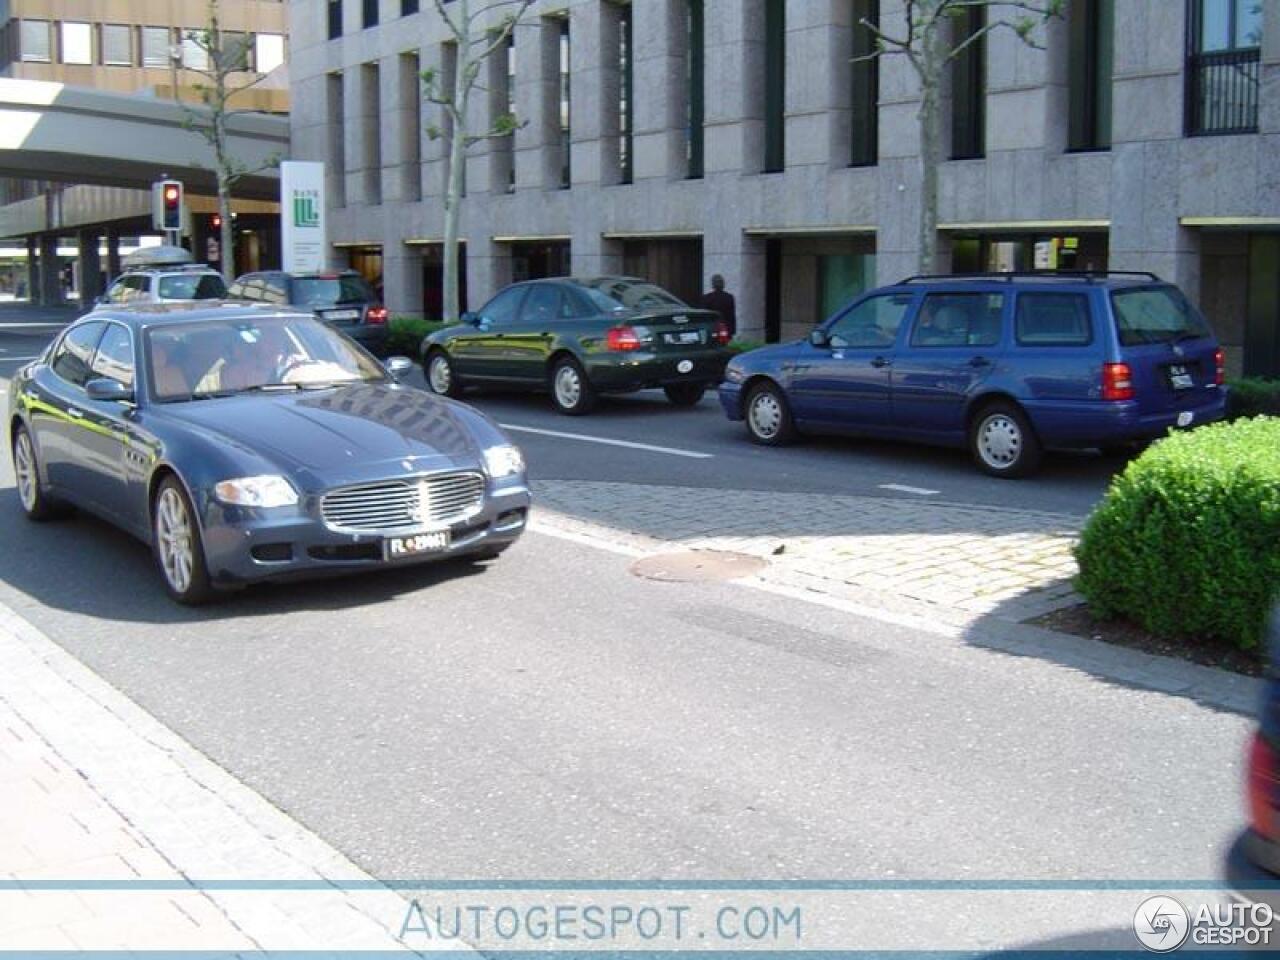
(249, 546)
(640, 370)
(731, 399)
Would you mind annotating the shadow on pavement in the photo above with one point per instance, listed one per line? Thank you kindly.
(84, 565)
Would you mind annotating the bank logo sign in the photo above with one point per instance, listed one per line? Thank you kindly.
(302, 226)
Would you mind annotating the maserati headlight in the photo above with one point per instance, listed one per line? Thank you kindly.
(503, 461)
(264, 491)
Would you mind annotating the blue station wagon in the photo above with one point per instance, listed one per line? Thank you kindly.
(1009, 364)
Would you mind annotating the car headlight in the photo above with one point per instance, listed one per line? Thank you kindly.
(733, 374)
(503, 461)
(264, 491)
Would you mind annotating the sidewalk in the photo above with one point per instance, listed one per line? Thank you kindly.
(960, 562)
(115, 834)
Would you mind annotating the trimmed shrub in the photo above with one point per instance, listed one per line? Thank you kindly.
(1186, 542)
(404, 335)
(1252, 397)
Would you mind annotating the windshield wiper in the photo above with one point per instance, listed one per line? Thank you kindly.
(269, 388)
(329, 384)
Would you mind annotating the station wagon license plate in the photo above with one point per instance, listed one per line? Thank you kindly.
(1180, 377)
(342, 315)
(684, 336)
(399, 548)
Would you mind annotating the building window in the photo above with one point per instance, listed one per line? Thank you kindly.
(1091, 29)
(370, 13)
(75, 43)
(566, 171)
(371, 131)
(1223, 66)
(968, 86)
(511, 110)
(697, 88)
(268, 52)
(864, 104)
(195, 56)
(335, 19)
(408, 7)
(337, 148)
(155, 46)
(234, 48)
(626, 116)
(411, 132)
(35, 47)
(117, 45)
(775, 84)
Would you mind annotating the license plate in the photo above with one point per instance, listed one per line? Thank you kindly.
(1180, 378)
(342, 315)
(398, 548)
(685, 336)
(684, 366)
(1185, 418)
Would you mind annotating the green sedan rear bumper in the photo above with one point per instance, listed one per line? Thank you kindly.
(638, 370)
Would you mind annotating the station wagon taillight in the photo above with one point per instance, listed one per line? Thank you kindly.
(1117, 381)
(1219, 367)
(376, 315)
(1262, 786)
(622, 338)
(721, 336)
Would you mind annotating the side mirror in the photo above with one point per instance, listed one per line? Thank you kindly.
(818, 338)
(471, 318)
(104, 388)
(397, 366)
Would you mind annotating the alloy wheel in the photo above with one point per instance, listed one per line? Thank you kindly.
(568, 386)
(174, 540)
(24, 470)
(440, 374)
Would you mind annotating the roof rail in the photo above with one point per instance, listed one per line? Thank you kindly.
(1009, 276)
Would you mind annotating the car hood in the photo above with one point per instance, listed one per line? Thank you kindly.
(342, 434)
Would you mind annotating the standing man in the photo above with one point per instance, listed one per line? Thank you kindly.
(721, 301)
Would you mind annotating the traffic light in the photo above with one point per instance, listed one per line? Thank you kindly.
(167, 205)
(216, 221)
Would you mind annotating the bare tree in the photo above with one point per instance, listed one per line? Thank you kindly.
(476, 35)
(225, 57)
(931, 42)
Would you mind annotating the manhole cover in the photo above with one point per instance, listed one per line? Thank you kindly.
(696, 566)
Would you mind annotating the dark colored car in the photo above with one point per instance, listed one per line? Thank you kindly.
(345, 300)
(245, 444)
(1009, 364)
(578, 338)
(1253, 863)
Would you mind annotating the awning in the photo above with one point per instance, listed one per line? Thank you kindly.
(1245, 223)
(652, 235)
(535, 238)
(1025, 226)
(814, 230)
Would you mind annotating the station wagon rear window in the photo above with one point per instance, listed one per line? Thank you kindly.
(323, 291)
(1053, 320)
(192, 286)
(1155, 315)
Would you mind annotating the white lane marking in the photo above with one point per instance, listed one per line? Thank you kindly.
(18, 359)
(672, 451)
(903, 488)
(33, 326)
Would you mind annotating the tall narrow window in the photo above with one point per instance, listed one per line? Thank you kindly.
(1223, 66)
(626, 121)
(775, 84)
(337, 147)
(117, 45)
(968, 86)
(34, 41)
(566, 171)
(195, 54)
(511, 109)
(1091, 60)
(335, 19)
(371, 131)
(268, 51)
(155, 46)
(865, 99)
(370, 14)
(697, 88)
(75, 43)
(411, 135)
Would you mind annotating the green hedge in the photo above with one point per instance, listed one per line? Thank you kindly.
(1252, 397)
(404, 335)
(1187, 540)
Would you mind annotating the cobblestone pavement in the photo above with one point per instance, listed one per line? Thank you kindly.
(1015, 564)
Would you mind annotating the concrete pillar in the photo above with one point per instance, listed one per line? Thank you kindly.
(402, 279)
(740, 259)
(90, 269)
(488, 269)
(661, 89)
(113, 255)
(818, 79)
(735, 86)
(435, 150)
(370, 152)
(50, 273)
(589, 253)
(597, 85)
(537, 155)
(33, 270)
(402, 136)
(499, 103)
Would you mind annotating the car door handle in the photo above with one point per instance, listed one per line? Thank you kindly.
(979, 362)
(75, 414)
(881, 362)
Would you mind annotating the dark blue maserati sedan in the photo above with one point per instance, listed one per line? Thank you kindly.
(249, 443)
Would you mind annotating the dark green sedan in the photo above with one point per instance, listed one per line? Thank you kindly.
(579, 338)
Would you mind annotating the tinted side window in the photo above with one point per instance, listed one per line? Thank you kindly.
(274, 291)
(959, 320)
(119, 291)
(502, 308)
(574, 305)
(71, 359)
(1053, 320)
(872, 323)
(114, 358)
(542, 305)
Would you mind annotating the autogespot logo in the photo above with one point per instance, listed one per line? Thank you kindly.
(1161, 924)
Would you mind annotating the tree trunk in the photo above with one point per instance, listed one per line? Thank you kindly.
(226, 261)
(930, 161)
(457, 159)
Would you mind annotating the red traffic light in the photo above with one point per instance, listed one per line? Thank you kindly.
(171, 194)
(216, 220)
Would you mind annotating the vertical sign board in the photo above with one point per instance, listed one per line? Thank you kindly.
(302, 232)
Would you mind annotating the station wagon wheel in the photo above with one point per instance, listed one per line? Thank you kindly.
(35, 503)
(570, 389)
(440, 376)
(685, 394)
(1003, 442)
(179, 550)
(768, 416)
